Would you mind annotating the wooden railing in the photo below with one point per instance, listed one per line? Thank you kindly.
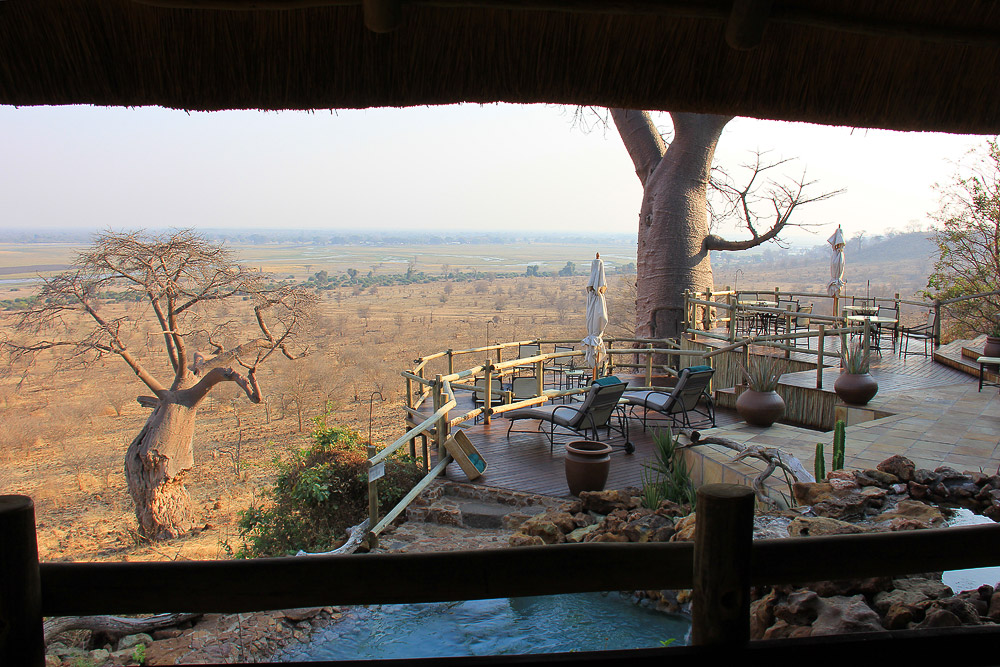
(704, 311)
(719, 567)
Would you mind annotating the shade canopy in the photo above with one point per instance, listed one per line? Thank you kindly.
(902, 64)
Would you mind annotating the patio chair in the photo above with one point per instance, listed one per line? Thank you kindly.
(889, 331)
(594, 413)
(562, 365)
(479, 394)
(922, 332)
(690, 391)
(801, 322)
(523, 352)
(524, 387)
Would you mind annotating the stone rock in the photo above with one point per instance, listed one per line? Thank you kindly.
(99, 655)
(931, 589)
(762, 614)
(580, 534)
(897, 598)
(129, 641)
(898, 466)
(899, 617)
(52, 660)
(782, 630)
(799, 608)
(562, 520)
(548, 531)
(639, 530)
(994, 608)
(939, 618)
(877, 478)
(609, 537)
(522, 540)
(168, 633)
(805, 526)
(913, 511)
(605, 502)
(963, 610)
(685, 528)
(301, 613)
(513, 520)
(837, 499)
(843, 615)
(662, 534)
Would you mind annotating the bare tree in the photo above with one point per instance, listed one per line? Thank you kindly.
(167, 282)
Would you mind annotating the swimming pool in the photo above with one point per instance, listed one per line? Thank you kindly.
(544, 624)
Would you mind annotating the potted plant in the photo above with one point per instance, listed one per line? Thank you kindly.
(992, 346)
(855, 384)
(760, 404)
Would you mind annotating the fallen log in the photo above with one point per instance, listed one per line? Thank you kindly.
(113, 625)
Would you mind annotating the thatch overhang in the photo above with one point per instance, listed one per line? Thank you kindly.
(901, 64)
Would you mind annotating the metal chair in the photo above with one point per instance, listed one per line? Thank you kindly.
(690, 391)
(594, 413)
(525, 351)
(888, 331)
(923, 332)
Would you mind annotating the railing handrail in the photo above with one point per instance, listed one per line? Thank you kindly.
(281, 583)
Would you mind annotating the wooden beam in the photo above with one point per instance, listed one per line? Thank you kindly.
(383, 15)
(747, 20)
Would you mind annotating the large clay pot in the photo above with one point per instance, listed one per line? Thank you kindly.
(587, 465)
(760, 408)
(856, 388)
(992, 347)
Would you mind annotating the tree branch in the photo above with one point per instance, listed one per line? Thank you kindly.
(642, 140)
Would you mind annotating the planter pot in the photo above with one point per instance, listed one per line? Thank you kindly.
(760, 408)
(855, 388)
(992, 347)
(587, 465)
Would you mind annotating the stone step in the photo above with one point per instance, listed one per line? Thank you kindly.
(467, 506)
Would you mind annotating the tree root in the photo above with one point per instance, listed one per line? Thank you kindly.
(358, 533)
(772, 456)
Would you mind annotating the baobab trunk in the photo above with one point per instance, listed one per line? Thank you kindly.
(673, 226)
(155, 464)
(673, 219)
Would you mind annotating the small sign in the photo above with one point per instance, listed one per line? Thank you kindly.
(376, 471)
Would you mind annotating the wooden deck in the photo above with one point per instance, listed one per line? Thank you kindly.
(523, 462)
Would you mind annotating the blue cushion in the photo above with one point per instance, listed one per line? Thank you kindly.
(699, 369)
(611, 379)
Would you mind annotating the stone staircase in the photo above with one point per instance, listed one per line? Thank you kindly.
(468, 506)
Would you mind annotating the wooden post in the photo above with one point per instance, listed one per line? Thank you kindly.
(706, 314)
(723, 541)
(539, 383)
(439, 430)
(372, 500)
(409, 404)
(734, 304)
(937, 323)
(649, 365)
(866, 338)
(488, 396)
(819, 356)
(451, 362)
(21, 640)
(687, 310)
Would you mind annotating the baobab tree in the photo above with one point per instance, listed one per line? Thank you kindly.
(675, 231)
(128, 283)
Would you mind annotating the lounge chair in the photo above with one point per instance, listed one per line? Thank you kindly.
(595, 412)
(690, 391)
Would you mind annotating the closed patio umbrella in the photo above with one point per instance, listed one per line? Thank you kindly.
(597, 315)
(837, 282)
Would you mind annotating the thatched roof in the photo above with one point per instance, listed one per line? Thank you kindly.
(903, 64)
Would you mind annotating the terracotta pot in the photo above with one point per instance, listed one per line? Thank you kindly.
(760, 408)
(587, 465)
(856, 388)
(992, 347)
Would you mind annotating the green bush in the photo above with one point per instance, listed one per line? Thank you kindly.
(320, 492)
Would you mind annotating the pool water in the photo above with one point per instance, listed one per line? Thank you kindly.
(544, 624)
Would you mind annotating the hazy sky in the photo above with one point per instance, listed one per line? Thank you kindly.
(453, 168)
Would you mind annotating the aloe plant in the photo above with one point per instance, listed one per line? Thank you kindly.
(763, 372)
(857, 359)
(839, 444)
(819, 463)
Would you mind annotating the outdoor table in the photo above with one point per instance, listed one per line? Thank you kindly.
(759, 319)
(877, 322)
